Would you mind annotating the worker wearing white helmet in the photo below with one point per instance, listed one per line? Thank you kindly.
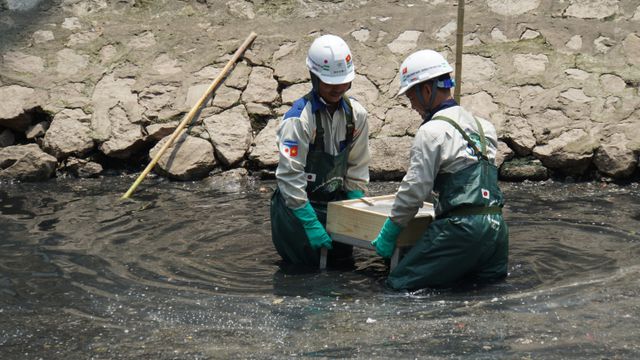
(453, 155)
(324, 156)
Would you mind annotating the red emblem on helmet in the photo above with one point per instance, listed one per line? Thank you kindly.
(404, 71)
(348, 58)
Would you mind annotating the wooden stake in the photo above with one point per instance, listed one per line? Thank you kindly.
(459, 40)
(189, 117)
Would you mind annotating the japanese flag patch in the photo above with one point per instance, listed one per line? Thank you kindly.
(310, 177)
(485, 193)
(290, 148)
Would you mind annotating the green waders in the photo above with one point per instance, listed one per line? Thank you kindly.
(469, 238)
(325, 181)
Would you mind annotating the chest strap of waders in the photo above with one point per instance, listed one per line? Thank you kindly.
(318, 142)
(480, 153)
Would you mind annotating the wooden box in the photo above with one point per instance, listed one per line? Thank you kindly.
(363, 219)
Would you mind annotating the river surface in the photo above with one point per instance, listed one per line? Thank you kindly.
(188, 271)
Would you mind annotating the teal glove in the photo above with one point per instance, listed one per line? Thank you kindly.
(316, 233)
(355, 194)
(385, 243)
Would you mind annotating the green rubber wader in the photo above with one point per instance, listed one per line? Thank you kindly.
(325, 182)
(469, 239)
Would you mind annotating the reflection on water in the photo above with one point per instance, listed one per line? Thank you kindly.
(185, 270)
(21, 5)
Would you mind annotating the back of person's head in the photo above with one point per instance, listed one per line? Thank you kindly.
(422, 66)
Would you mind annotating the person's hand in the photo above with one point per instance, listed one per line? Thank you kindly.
(318, 237)
(355, 194)
(316, 233)
(385, 242)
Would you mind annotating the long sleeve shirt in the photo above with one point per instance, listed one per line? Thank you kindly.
(297, 131)
(438, 148)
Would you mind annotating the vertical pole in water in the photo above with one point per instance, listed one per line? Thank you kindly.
(395, 258)
(459, 40)
(323, 258)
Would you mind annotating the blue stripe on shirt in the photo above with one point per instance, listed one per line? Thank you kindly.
(296, 109)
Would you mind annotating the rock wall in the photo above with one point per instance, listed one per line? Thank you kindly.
(98, 84)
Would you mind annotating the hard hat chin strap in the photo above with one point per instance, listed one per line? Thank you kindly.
(432, 98)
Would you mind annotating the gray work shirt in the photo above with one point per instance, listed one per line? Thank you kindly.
(438, 148)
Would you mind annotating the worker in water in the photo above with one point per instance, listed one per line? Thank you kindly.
(324, 156)
(453, 156)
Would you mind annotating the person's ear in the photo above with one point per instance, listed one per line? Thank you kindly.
(425, 91)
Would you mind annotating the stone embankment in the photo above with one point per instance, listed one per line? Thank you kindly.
(87, 86)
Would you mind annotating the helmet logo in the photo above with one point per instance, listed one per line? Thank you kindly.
(348, 58)
(404, 70)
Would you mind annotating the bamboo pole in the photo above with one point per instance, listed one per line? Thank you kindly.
(459, 40)
(194, 110)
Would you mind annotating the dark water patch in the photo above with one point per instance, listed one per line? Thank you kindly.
(10, 206)
(47, 225)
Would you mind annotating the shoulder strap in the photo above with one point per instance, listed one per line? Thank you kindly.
(349, 118)
(481, 154)
(483, 139)
(318, 142)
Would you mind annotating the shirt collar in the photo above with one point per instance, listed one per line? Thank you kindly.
(444, 105)
(317, 103)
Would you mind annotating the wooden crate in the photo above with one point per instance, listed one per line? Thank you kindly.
(359, 220)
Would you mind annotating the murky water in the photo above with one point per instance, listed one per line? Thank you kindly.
(188, 271)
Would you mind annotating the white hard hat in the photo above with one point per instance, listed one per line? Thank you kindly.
(421, 66)
(330, 59)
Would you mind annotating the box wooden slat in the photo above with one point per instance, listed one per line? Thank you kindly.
(358, 220)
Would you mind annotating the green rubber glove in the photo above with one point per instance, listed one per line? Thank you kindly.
(316, 233)
(355, 194)
(385, 243)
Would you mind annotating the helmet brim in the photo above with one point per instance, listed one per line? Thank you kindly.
(404, 90)
(336, 80)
